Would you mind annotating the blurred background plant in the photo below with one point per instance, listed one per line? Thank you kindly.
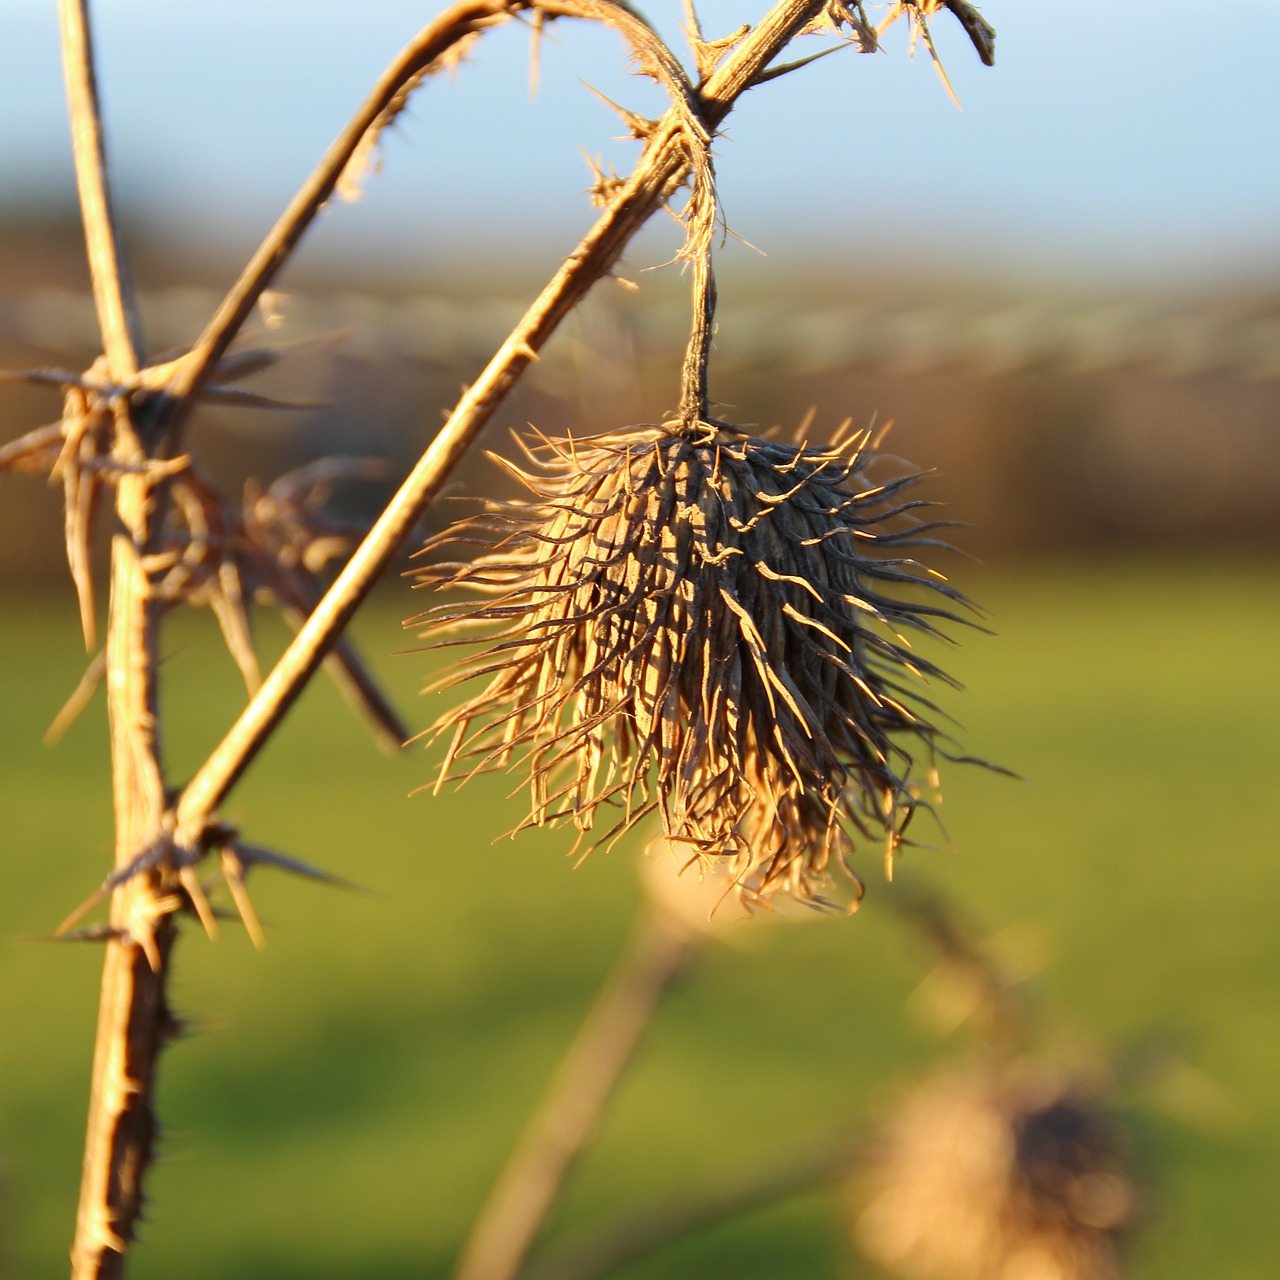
(1087, 346)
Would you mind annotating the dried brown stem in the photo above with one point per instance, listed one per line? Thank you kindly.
(345, 668)
(80, 698)
(133, 1014)
(458, 23)
(134, 1020)
(34, 451)
(521, 1202)
(992, 996)
(662, 167)
(603, 1249)
(112, 288)
(981, 33)
(694, 406)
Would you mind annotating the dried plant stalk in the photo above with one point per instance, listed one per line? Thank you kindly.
(521, 1203)
(134, 1018)
(112, 289)
(602, 1249)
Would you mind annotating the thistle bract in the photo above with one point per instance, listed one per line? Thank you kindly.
(709, 626)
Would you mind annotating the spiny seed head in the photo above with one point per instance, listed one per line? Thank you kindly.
(712, 627)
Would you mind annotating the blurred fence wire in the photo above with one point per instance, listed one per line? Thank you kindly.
(1167, 337)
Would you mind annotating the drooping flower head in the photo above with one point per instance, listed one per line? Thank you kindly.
(707, 626)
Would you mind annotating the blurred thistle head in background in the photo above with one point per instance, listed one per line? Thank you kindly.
(997, 1174)
(705, 625)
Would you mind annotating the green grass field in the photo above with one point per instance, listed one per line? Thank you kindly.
(350, 1092)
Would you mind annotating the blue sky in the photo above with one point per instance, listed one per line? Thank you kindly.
(1131, 141)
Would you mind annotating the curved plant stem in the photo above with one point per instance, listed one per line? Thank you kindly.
(448, 33)
(601, 1250)
(435, 40)
(521, 1202)
(658, 174)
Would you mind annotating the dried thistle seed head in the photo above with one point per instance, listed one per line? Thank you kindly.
(711, 627)
(996, 1174)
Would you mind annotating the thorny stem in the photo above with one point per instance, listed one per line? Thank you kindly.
(134, 1021)
(658, 174)
(133, 1014)
(525, 1194)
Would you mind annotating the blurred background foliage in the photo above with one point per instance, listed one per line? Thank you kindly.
(347, 1095)
(1112, 447)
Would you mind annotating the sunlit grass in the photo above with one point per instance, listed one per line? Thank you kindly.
(350, 1092)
